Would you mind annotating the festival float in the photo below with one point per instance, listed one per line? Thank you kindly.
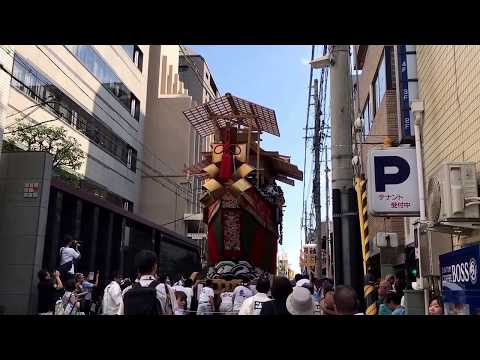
(242, 203)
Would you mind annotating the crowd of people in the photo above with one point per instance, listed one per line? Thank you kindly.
(65, 292)
(391, 298)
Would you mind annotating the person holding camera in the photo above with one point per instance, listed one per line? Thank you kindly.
(68, 254)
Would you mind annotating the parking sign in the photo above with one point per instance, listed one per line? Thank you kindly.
(393, 182)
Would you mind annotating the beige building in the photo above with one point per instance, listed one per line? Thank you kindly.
(449, 86)
(375, 98)
(198, 79)
(166, 192)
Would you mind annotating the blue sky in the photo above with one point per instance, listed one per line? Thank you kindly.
(275, 77)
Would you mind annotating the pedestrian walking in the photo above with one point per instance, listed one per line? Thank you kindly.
(112, 296)
(205, 299)
(148, 295)
(253, 305)
(436, 306)
(226, 297)
(68, 254)
(281, 289)
(346, 301)
(392, 300)
(240, 294)
(50, 289)
(300, 302)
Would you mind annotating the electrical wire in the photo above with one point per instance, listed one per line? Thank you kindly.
(305, 147)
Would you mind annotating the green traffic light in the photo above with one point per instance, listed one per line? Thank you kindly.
(414, 272)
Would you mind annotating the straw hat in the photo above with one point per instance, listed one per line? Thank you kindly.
(300, 302)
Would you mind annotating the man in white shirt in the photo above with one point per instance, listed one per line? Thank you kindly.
(253, 305)
(240, 294)
(205, 299)
(112, 297)
(69, 253)
(146, 264)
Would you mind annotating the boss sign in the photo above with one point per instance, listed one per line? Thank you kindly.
(392, 182)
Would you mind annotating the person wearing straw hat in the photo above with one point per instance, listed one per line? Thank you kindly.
(300, 302)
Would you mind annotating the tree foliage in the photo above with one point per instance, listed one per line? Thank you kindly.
(65, 149)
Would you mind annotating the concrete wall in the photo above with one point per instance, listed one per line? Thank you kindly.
(449, 85)
(22, 228)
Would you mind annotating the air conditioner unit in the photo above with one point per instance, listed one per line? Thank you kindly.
(451, 195)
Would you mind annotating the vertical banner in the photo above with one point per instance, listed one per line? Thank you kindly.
(408, 89)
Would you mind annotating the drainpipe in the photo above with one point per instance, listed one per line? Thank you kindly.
(417, 111)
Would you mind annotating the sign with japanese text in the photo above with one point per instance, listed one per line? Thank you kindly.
(393, 182)
(408, 89)
(459, 269)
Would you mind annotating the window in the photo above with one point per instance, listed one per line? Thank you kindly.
(367, 117)
(134, 107)
(129, 158)
(74, 118)
(135, 54)
(383, 79)
(379, 84)
(182, 68)
(206, 76)
(29, 81)
(97, 66)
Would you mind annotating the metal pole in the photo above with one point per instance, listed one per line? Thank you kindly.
(342, 172)
(304, 222)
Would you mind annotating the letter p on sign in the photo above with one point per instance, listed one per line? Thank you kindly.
(392, 182)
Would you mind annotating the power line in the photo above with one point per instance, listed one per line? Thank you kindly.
(304, 212)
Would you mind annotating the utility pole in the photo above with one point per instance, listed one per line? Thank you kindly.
(347, 243)
(316, 182)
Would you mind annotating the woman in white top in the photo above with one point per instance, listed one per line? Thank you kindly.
(205, 299)
(226, 306)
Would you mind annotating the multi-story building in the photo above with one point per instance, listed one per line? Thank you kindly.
(375, 102)
(198, 79)
(123, 105)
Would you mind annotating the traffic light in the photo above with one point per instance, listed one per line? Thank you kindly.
(411, 264)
